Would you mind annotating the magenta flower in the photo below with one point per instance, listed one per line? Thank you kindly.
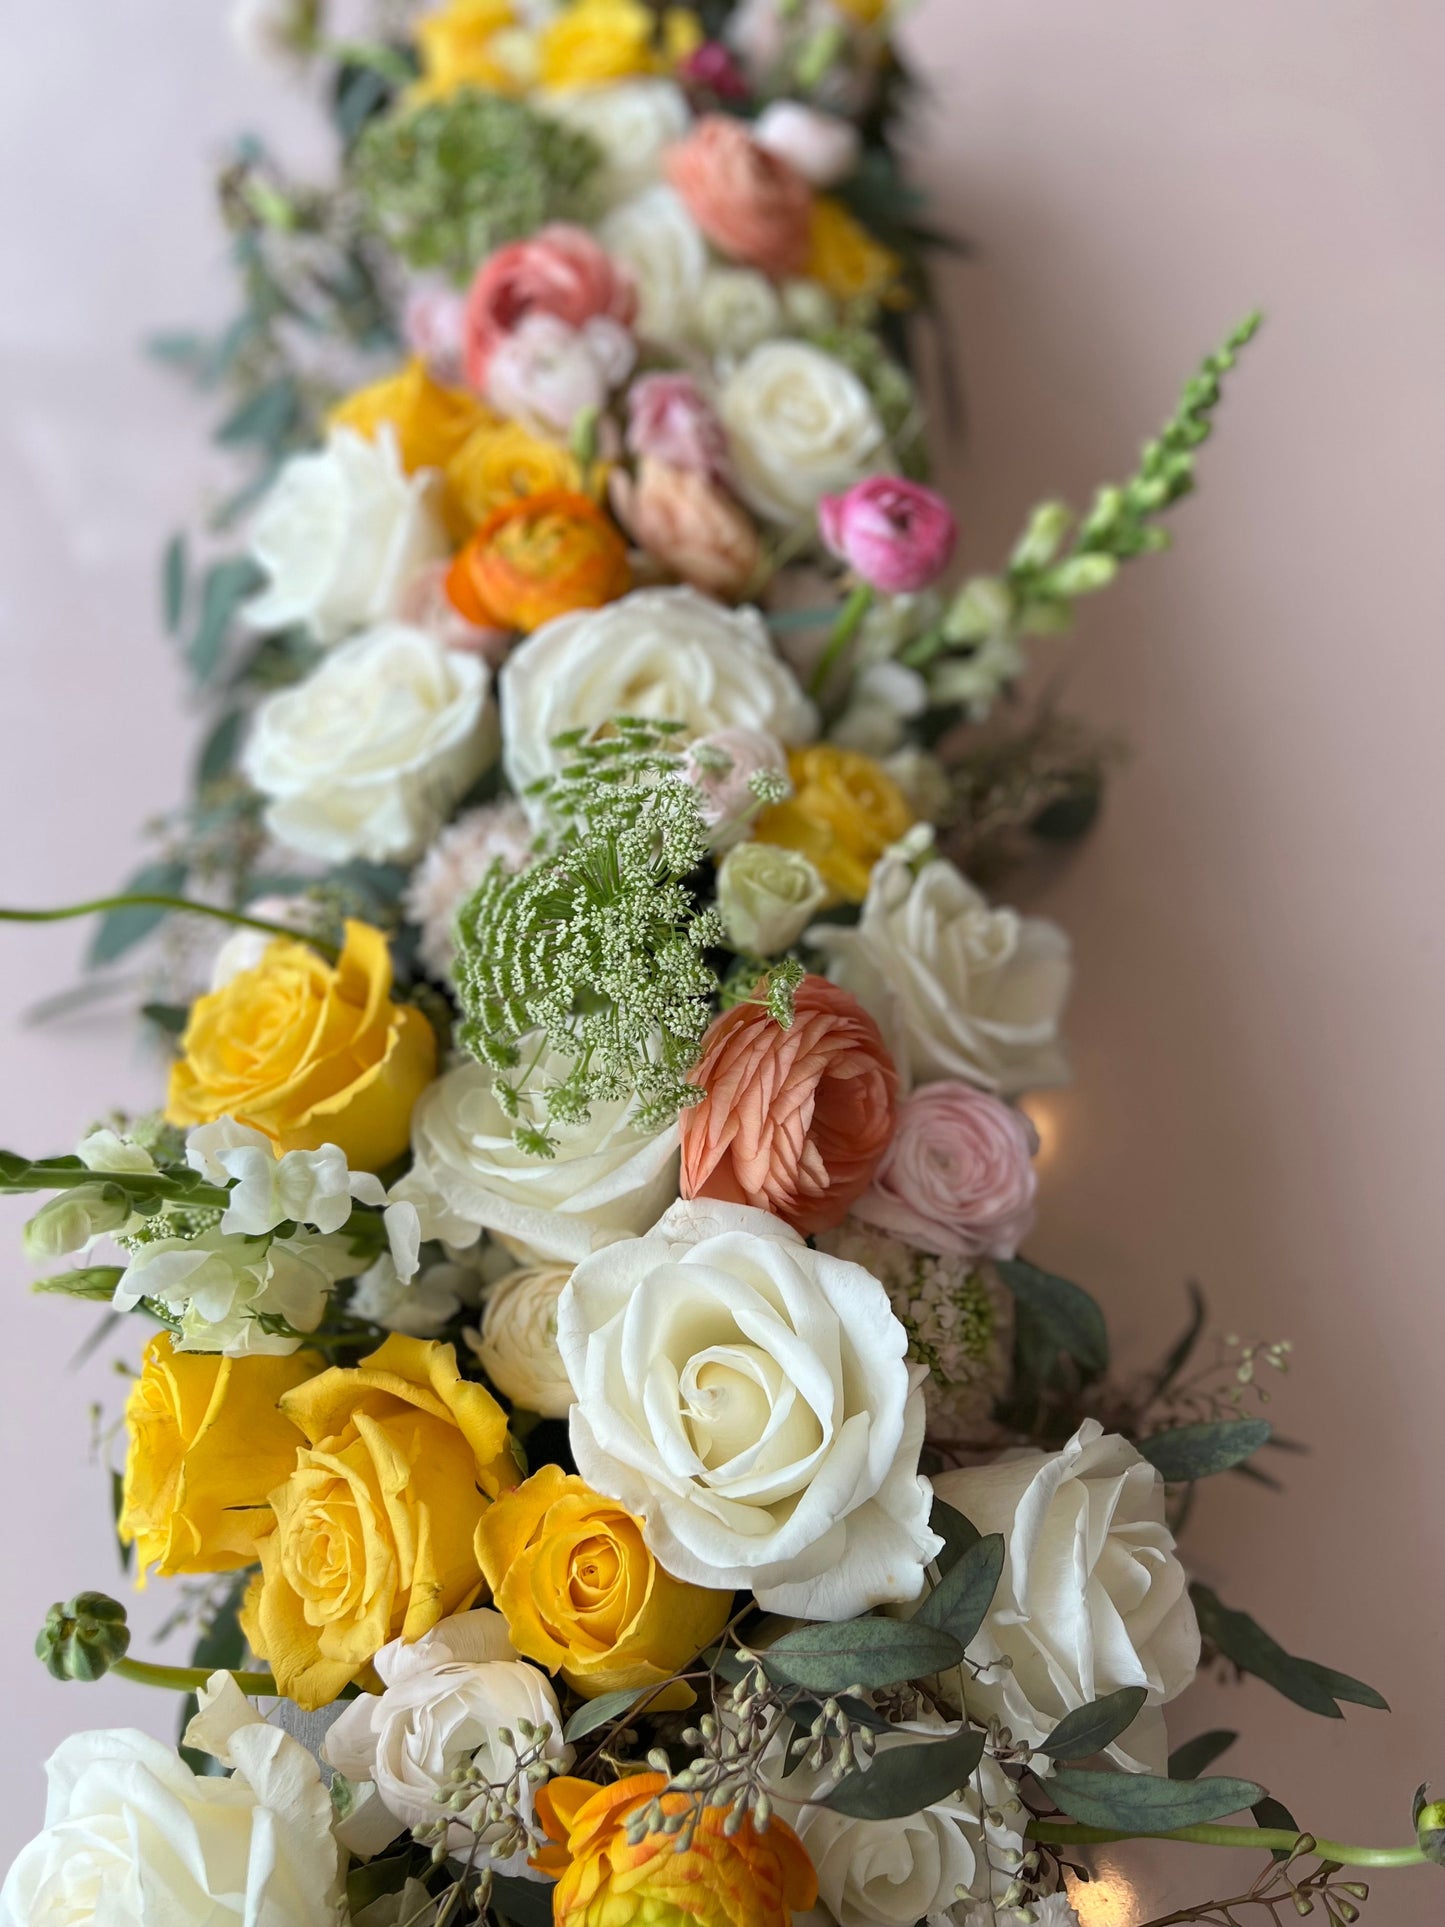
(898, 535)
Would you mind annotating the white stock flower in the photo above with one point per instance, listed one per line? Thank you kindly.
(736, 309)
(960, 989)
(447, 1698)
(367, 757)
(341, 534)
(1092, 1597)
(228, 1292)
(421, 1306)
(749, 1399)
(800, 426)
(657, 240)
(766, 896)
(309, 1187)
(517, 1344)
(607, 1180)
(454, 866)
(670, 654)
(633, 122)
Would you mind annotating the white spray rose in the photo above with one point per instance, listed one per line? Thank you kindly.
(657, 240)
(1092, 1597)
(517, 1345)
(736, 309)
(670, 654)
(959, 988)
(749, 1399)
(225, 1291)
(633, 122)
(341, 534)
(767, 896)
(800, 426)
(367, 757)
(447, 1696)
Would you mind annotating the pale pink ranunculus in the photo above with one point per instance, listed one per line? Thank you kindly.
(561, 271)
(453, 868)
(547, 373)
(750, 203)
(694, 530)
(898, 535)
(425, 604)
(433, 322)
(721, 767)
(958, 1178)
(671, 419)
(824, 148)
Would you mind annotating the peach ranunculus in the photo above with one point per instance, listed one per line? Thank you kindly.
(722, 1878)
(561, 271)
(502, 462)
(750, 203)
(793, 1121)
(431, 421)
(537, 558)
(309, 1052)
(691, 527)
(845, 811)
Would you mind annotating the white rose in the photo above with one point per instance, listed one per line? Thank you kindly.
(341, 534)
(800, 426)
(749, 1399)
(736, 309)
(655, 237)
(134, 1838)
(228, 1293)
(1092, 1597)
(767, 896)
(633, 123)
(447, 1696)
(824, 148)
(367, 757)
(670, 654)
(607, 1180)
(960, 989)
(421, 1306)
(517, 1345)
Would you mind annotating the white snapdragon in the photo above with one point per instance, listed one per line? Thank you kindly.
(238, 1295)
(421, 1306)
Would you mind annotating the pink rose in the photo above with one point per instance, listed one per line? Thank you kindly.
(547, 373)
(898, 535)
(559, 271)
(749, 203)
(721, 767)
(823, 147)
(957, 1180)
(691, 528)
(670, 418)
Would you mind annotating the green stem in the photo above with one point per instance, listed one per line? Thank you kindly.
(190, 1679)
(847, 627)
(147, 901)
(1067, 1833)
(18, 1179)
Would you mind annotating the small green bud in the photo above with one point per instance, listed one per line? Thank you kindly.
(85, 1637)
(1430, 1826)
(1082, 575)
(983, 607)
(1039, 543)
(68, 1222)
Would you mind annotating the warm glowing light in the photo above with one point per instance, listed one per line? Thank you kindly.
(1109, 1900)
(1045, 1113)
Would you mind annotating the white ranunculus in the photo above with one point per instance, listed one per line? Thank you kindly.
(607, 1180)
(670, 654)
(1092, 1598)
(134, 1838)
(800, 426)
(421, 1306)
(367, 756)
(736, 309)
(960, 989)
(341, 534)
(225, 1291)
(632, 121)
(447, 1697)
(517, 1345)
(749, 1399)
(767, 896)
(657, 240)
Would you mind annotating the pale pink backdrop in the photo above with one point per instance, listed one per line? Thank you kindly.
(1259, 1025)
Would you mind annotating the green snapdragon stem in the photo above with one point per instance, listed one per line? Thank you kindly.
(190, 1679)
(846, 628)
(147, 901)
(1067, 1833)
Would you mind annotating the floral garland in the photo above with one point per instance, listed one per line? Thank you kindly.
(592, 1369)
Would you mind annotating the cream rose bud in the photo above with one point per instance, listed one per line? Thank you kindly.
(749, 1399)
(736, 309)
(607, 1180)
(517, 1344)
(767, 896)
(800, 426)
(655, 238)
(632, 121)
(959, 988)
(670, 654)
(340, 536)
(449, 1697)
(1092, 1597)
(368, 755)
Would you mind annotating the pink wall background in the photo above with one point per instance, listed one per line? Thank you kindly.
(1260, 1019)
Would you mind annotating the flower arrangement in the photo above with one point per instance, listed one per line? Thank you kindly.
(589, 1374)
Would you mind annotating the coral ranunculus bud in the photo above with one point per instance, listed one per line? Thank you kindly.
(83, 1638)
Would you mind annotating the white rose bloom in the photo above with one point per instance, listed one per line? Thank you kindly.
(341, 534)
(134, 1838)
(220, 1288)
(800, 426)
(749, 1399)
(421, 1306)
(367, 757)
(1092, 1597)
(633, 122)
(670, 654)
(517, 1345)
(607, 1180)
(767, 896)
(655, 237)
(736, 309)
(959, 988)
(447, 1696)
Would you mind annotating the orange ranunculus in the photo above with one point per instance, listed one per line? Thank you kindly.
(746, 1879)
(844, 812)
(537, 558)
(431, 420)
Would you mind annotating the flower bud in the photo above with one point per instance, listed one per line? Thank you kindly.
(1430, 1826)
(83, 1638)
(68, 1222)
(767, 896)
(897, 535)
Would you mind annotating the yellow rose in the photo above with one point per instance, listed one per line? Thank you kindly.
(431, 421)
(844, 258)
(500, 463)
(599, 41)
(206, 1442)
(844, 812)
(868, 13)
(309, 1052)
(470, 43)
(375, 1528)
(584, 1597)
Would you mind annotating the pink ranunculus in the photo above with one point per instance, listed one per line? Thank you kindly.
(897, 534)
(433, 322)
(720, 766)
(823, 147)
(670, 419)
(958, 1178)
(560, 270)
(546, 373)
(751, 204)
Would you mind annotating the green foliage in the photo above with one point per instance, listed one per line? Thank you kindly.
(1246, 1645)
(122, 929)
(1191, 1759)
(94, 1282)
(225, 586)
(607, 1707)
(905, 1779)
(957, 1533)
(1089, 1729)
(83, 1638)
(1144, 1803)
(958, 1604)
(856, 1654)
(1198, 1451)
(1429, 1818)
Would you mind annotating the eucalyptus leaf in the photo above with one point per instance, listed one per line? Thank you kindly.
(524, 1903)
(1244, 1642)
(1191, 1759)
(218, 752)
(1060, 1316)
(1145, 1803)
(97, 1282)
(1089, 1729)
(863, 1653)
(1199, 1451)
(905, 1779)
(225, 587)
(958, 1604)
(121, 929)
(1183, 1349)
(956, 1532)
(173, 582)
(1273, 1814)
(600, 1712)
